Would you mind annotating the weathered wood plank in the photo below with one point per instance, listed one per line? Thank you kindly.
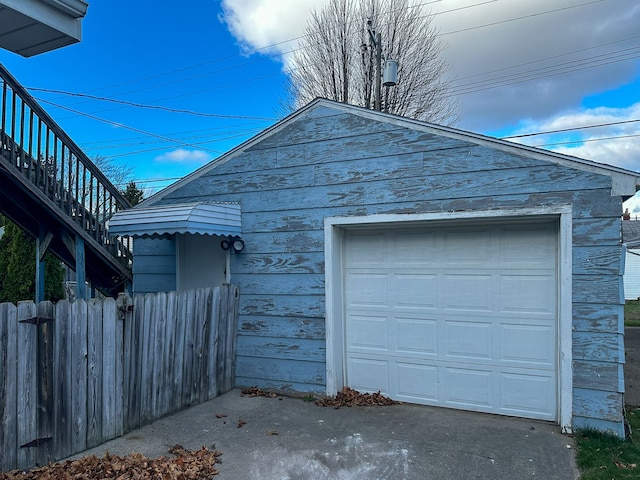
(290, 388)
(95, 373)
(281, 283)
(157, 384)
(63, 379)
(283, 305)
(146, 375)
(232, 337)
(189, 299)
(45, 378)
(154, 246)
(275, 371)
(597, 404)
(602, 347)
(214, 341)
(597, 260)
(155, 264)
(169, 352)
(122, 316)
(282, 327)
(203, 331)
(593, 317)
(322, 128)
(27, 414)
(599, 231)
(110, 374)
(8, 386)
(178, 360)
(133, 363)
(597, 375)
(153, 282)
(286, 349)
(223, 332)
(598, 289)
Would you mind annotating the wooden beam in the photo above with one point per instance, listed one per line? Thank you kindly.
(81, 278)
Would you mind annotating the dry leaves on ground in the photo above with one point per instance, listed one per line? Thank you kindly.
(186, 465)
(351, 398)
(256, 392)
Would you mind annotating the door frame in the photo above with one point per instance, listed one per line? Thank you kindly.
(334, 228)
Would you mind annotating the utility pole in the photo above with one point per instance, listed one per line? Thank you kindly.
(376, 41)
(392, 73)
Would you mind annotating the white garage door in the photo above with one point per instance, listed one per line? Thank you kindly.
(456, 317)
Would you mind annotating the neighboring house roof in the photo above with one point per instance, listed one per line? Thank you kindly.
(198, 218)
(624, 182)
(631, 233)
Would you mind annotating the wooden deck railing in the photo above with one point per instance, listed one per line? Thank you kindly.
(33, 146)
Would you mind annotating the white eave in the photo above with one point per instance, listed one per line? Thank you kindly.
(30, 27)
(223, 219)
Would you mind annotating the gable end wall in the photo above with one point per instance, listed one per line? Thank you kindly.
(343, 165)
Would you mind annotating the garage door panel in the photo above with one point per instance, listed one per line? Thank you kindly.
(367, 289)
(464, 341)
(414, 291)
(465, 318)
(468, 387)
(540, 247)
(416, 336)
(467, 292)
(367, 332)
(522, 293)
(368, 375)
(411, 249)
(528, 345)
(416, 382)
(525, 393)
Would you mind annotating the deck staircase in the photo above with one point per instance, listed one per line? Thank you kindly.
(51, 189)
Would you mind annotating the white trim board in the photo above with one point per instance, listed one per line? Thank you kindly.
(333, 235)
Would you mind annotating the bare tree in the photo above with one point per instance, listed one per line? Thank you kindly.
(337, 59)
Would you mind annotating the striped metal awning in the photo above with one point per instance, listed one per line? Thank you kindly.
(221, 219)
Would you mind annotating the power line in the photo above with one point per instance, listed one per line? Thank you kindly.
(587, 140)
(562, 130)
(158, 107)
(117, 124)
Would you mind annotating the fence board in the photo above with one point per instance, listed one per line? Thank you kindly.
(102, 368)
(158, 379)
(8, 385)
(109, 369)
(45, 366)
(95, 372)
(213, 343)
(187, 298)
(27, 387)
(79, 375)
(146, 378)
(62, 384)
(169, 352)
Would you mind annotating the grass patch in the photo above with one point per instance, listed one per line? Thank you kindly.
(632, 313)
(601, 456)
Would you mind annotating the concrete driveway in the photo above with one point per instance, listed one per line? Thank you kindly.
(287, 438)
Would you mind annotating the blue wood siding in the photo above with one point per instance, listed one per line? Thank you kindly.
(154, 266)
(331, 163)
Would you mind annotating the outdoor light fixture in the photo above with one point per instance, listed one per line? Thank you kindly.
(235, 243)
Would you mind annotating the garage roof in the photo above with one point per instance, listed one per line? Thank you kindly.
(221, 219)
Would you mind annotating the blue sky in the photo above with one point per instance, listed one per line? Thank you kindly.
(517, 66)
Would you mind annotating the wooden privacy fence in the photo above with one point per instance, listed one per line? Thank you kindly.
(74, 375)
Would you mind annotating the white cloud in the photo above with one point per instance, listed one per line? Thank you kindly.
(181, 155)
(257, 24)
(503, 51)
